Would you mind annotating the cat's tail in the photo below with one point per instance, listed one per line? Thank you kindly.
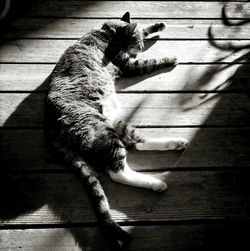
(99, 199)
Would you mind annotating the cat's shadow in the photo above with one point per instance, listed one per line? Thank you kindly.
(126, 83)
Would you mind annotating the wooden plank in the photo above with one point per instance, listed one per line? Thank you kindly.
(49, 51)
(160, 9)
(24, 77)
(215, 77)
(16, 105)
(167, 237)
(60, 198)
(208, 148)
(181, 109)
(76, 28)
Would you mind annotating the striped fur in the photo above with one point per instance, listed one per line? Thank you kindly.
(81, 97)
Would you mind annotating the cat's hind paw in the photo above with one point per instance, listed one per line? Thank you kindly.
(159, 186)
(162, 144)
(179, 144)
(183, 143)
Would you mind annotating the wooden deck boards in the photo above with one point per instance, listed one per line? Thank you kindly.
(205, 99)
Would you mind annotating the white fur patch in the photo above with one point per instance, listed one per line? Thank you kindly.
(111, 108)
(132, 178)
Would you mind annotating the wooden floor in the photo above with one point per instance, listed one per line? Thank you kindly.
(205, 99)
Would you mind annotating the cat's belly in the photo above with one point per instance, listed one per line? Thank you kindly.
(111, 108)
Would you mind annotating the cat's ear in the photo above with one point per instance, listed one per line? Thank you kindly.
(130, 29)
(126, 17)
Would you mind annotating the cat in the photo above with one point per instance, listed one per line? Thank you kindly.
(82, 111)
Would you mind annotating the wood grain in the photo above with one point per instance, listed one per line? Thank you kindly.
(181, 109)
(24, 77)
(60, 198)
(49, 51)
(166, 237)
(209, 148)
(71, 28)
(160, 9)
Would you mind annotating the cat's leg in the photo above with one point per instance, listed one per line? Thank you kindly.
(131, 138)
(127, 176)
(162, 144)
(127, 134)
(132, 67)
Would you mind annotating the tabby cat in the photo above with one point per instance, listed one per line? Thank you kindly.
(83, 111)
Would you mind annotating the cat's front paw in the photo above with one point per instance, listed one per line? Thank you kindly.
(159, 186)
(175, 61)
(171, 60)
(160, 26)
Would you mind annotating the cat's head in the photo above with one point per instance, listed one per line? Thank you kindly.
(127, 34)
